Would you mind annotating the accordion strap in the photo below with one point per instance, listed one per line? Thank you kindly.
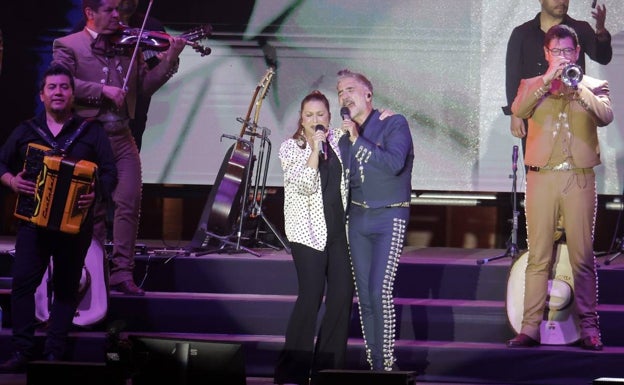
(55, 147)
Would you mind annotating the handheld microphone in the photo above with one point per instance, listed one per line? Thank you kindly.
(323, 149)
(345, 113)
(514, 158)
(594, 3)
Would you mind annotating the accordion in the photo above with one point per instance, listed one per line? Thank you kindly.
(59, 183)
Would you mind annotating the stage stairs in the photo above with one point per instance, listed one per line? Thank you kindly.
(451, 315)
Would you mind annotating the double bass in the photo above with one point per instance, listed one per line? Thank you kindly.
(225, 198)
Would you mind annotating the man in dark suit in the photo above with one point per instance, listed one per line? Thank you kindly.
(378, 157)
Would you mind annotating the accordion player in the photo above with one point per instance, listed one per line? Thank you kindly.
(59, 183)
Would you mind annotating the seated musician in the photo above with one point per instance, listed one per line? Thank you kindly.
(35, 244)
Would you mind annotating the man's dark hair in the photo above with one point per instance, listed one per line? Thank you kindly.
(363, 80)
(93, 4)
(560, 31)
(56, 69)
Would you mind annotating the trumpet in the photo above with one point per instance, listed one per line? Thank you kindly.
(571, 75)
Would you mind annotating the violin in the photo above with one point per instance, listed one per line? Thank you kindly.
(152, 40)
(125, 39)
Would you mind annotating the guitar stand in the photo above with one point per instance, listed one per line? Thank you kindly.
(614, 254)
(205, 232)
(259, 191)
(512, 248)
(616, 241)
(225, 240)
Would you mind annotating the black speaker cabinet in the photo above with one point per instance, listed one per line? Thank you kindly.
(71, 373)
(186, 361)
(366, 377)
(608, 381)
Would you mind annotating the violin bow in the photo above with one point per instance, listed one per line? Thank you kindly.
(136, 46)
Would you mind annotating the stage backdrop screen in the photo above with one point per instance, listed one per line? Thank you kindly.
(439, 63)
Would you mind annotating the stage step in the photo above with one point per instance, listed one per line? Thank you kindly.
(451, 315)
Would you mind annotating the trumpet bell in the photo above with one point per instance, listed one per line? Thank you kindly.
(572, 75)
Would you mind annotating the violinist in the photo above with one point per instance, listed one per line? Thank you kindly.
(130, 17)
(108, 89)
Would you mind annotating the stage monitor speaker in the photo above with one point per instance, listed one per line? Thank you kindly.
(365, 377)
(608, 381)
(158, 360)
(71, 373)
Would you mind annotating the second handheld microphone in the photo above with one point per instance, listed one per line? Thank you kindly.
(323, 149)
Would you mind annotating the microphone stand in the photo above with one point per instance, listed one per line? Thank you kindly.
(512, 247)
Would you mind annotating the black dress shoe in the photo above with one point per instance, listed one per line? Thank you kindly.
(16, 364)
(522, 341)
(591, 343)
(129, 288)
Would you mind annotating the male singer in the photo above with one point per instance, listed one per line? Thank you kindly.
(378, 156)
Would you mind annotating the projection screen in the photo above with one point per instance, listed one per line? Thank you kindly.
(439, 63)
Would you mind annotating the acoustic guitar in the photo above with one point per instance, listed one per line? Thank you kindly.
(225, 198)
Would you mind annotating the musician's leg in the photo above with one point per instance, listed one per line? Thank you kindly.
(580, 211)
(31, 261)
(127, 198)
(68, 261)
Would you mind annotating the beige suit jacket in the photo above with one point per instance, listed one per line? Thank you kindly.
(93, 71)
(587, 108)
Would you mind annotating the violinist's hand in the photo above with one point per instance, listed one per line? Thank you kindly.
(86, 200)
(115, 94)
(176, 45)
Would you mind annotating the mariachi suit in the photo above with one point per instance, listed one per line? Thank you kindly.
(92, 70)
(562, 149)
(379, 170)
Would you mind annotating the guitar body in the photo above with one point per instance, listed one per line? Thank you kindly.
(93, 290)
(225, 197)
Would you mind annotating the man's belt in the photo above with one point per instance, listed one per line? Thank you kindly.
(366, 206)
(565, 166)
(116, 126)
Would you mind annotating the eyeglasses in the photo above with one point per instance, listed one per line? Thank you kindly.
(559, 51)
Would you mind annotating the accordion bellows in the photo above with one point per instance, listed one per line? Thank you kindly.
(59, 183)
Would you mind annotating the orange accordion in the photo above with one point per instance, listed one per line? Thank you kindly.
(59, 183)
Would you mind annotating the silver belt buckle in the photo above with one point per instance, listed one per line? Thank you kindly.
(565, 166)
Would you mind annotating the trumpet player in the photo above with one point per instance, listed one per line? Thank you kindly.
(562, 149)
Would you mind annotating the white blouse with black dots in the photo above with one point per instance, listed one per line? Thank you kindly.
(304, 220)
